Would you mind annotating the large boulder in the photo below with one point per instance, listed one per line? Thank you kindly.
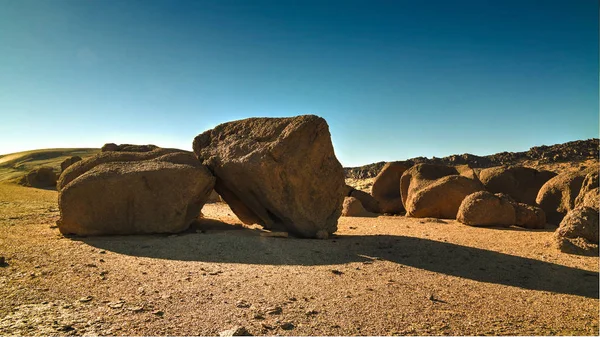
(352, 207)
(281, 173)
(421, 175)
(578, 232)
(68, 162)
(368, 202)
(441, 198)
(520, 183)
(557, 196)
(42, 177)
(528, 216)
(486, 209)
(386, 187)
(589, 194)
(163, 194)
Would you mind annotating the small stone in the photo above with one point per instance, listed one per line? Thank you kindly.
(235, 331)
(159, 313)
(242, 304)
(274, 310)
(336, 272)
(85, 299)
(138, 308)
(2, 261)
(102, 252)
(311, 312)
(287, 326)
(65, 328)
(115, 305)
(258, 315)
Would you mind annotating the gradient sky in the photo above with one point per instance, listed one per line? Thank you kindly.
(394, 79)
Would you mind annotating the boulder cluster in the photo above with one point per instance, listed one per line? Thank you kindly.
(280, 173)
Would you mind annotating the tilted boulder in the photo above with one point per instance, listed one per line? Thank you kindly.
(68, 162)
(133, 193)
(578, 232)
(557, 196)
(486, 209)
(589, 194)
(386, 187)
(41, 177)
(281, 173)
(520, 183)
(366, 200)
(352, 207)
(440, 198)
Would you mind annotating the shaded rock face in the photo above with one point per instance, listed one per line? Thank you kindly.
(42, 177)
(521, 183)
(386, 187)
(352, 207)
(440, 198)
(578, 232)
(68, 162)
(589, 194)
(213, 197)
(557, 196)
(281, 173)
(368, 202)
(128, 148)
(107, 194)
(528, 216)
(486, 209)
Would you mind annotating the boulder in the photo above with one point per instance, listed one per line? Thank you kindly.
(440, 198)
(281, 173)
(589, 194)
(155, 195)
(486, 209)
(557, 196)
(109, 147)
(528, 216)
(352, 207)
(521, 183)
(82, 166)
(367, 201)
(42, 177)
(578, 232)
(68, 162)
(419, 176)
(386, 187)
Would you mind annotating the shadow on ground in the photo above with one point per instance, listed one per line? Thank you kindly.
(212, 242)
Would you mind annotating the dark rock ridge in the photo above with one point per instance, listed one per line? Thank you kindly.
(567, 152)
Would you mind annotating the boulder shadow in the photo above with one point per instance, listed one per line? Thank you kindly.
(225, 243)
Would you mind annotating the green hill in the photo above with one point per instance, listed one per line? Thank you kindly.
(15, 165)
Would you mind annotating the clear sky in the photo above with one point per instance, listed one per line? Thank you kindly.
(394, 79)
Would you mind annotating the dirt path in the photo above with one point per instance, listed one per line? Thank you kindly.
(378, 276)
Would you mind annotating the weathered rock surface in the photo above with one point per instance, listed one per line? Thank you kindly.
(354, 208)
(42, 177)
(281, 173)
(557, 196)
(441, 198)
(386, 187)
(589, 194)
(528, 216)
(578, 232)
(421, 175)
(486, 209)
(68, 162)
(128, 148)
(520, 183)
(149, 193)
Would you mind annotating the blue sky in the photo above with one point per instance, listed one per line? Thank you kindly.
(394, 79)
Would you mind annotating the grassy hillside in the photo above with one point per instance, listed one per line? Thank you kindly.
(15, 165)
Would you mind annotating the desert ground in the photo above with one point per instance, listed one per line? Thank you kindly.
(386, 275)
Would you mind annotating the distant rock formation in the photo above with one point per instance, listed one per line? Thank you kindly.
(42, 177)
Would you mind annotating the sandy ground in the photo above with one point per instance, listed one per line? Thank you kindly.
(377, 276)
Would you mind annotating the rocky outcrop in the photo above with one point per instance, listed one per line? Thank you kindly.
(386, 187)
(589, 194)
(42, 177)
(68, 162)
(128, 148)
(486, 209)
(440, 198)
(133, 193)
(352, 207)
(281, 173)
(520, 183)
(578, 232)
(557, 196)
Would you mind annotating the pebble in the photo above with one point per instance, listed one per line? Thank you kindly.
(235, 331)
(337, 272)
(159, 313)
(2, 261)
(287, 325)
(242, 304)
(311, 312)
(85, 299)
(274, 310)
